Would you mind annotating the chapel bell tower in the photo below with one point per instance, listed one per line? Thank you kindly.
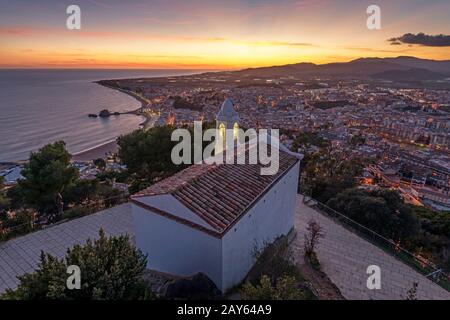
(227, 119)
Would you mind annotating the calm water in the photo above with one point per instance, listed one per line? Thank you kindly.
(42, 106)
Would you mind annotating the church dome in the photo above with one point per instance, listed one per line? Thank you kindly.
(227, 112)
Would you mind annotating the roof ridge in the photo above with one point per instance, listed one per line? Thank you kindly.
(220, 211)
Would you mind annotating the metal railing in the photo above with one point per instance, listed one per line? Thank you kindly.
(8, 232)
(416, 261)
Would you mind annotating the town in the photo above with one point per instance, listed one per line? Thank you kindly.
(361, 153)
(406, 132)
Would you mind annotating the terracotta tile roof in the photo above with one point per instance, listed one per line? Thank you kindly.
(219, 194)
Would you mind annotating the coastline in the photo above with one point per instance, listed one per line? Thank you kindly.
(144, 102)
(105, 149)
(92, 145)
(100, 150)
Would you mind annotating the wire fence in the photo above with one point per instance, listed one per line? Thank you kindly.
(416, 261)
(11, 230)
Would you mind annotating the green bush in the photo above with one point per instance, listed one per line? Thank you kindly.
(274, 261)
(46, 175)
(382, 210)
(275, 276)
(286, 288)
(111, 269)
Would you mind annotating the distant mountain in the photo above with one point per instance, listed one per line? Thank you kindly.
(409, 67)
(413, 74)
(279, 71)
(432, 65)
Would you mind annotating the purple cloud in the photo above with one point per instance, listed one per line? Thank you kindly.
(440, 40)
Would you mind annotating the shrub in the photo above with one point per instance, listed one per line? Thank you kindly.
(111, 269)
(285, 289)
(314, 233)
(274, 261)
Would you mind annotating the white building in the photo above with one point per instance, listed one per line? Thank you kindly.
(211, 218)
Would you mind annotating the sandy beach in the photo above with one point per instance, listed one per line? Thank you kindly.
(97, 152)
(103, 150)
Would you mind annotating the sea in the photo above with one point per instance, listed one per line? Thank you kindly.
(40, 106)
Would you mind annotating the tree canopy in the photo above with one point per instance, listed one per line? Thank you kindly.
(3, 200)
(357, 140)
(435, 234)
(381, 210)
(52, 190)
(328, 172)
(146, 153)
(306, 139)
(46, 175)
(100, 163)
(284, 289)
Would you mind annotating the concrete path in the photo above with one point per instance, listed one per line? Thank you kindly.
(21, 255)
(344, 257)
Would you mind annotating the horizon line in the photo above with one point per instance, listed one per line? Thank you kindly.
(204, 68)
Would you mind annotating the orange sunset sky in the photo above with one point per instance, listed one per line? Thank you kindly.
(216, 34)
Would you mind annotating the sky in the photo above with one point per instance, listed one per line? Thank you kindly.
(212, 34)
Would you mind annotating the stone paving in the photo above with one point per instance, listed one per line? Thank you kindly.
(21, 255)
(344, 257)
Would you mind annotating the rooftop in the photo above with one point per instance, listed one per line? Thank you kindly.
(219, 194)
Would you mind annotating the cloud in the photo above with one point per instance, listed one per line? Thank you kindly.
(440, 40)
(28, 31)
(16, 31)
(295, 44)
(31, 31)
(101, 3)
(173, 22)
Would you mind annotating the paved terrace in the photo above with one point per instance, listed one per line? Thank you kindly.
(343, 255)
